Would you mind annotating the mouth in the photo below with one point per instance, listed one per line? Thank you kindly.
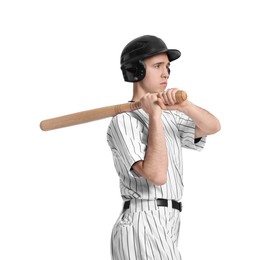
(163, 83)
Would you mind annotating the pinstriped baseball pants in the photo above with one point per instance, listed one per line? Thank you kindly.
(148, 232)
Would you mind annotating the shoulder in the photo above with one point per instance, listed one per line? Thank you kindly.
(172, 115)
(126, 120)
(177, 115)
(138, 116)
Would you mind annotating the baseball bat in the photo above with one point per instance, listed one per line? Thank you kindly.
(97, 114)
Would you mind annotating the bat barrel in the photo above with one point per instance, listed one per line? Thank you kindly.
(87, 116)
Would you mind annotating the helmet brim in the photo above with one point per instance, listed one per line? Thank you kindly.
(173, 54)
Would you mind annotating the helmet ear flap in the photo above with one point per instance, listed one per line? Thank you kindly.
(134, 71)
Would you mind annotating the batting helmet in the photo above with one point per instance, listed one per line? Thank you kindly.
(134, 53)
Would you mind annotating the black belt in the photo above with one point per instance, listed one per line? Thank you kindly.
(160, 203)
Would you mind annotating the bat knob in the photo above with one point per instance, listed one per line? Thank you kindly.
(180, 96)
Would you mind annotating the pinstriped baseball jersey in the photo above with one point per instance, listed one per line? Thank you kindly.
(145, 231)
(127, 137)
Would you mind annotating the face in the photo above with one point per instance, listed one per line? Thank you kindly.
(157, 74)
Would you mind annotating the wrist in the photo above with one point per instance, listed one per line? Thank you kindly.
(186, 107)
(155, 115)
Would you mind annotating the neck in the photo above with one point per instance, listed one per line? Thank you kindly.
(138, 92)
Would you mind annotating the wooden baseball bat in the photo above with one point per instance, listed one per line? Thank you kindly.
(97, 114)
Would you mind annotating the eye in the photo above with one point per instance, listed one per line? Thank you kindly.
(157, 66)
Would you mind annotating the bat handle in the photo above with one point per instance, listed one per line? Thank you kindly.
(180, 96)
(128, 107)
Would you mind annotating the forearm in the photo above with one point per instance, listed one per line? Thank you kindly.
(154, 166)
(156, 159)
(205, 122)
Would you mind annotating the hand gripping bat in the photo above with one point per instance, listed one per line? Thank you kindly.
(97, 114)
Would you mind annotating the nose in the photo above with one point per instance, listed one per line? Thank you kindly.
(166, 73)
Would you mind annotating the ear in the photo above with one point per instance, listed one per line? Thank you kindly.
(134, 71)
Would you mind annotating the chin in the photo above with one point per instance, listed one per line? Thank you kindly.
(162, 88)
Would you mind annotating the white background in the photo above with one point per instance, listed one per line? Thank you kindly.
(59, 192)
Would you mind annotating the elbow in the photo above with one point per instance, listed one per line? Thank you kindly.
(216, 127)
(156, 175)
(159, 180)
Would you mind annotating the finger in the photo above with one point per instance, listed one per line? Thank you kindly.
(171, 96)
(165, 98)
(161, 97)
(161, 104)
(174, 96)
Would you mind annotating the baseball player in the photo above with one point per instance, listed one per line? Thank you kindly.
(146, 145)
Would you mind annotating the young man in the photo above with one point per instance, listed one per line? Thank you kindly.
(147, 150)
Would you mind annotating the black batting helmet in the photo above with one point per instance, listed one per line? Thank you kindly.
(134, 53)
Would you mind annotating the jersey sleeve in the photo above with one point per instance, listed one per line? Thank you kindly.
(187, 133)
(127, 140)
